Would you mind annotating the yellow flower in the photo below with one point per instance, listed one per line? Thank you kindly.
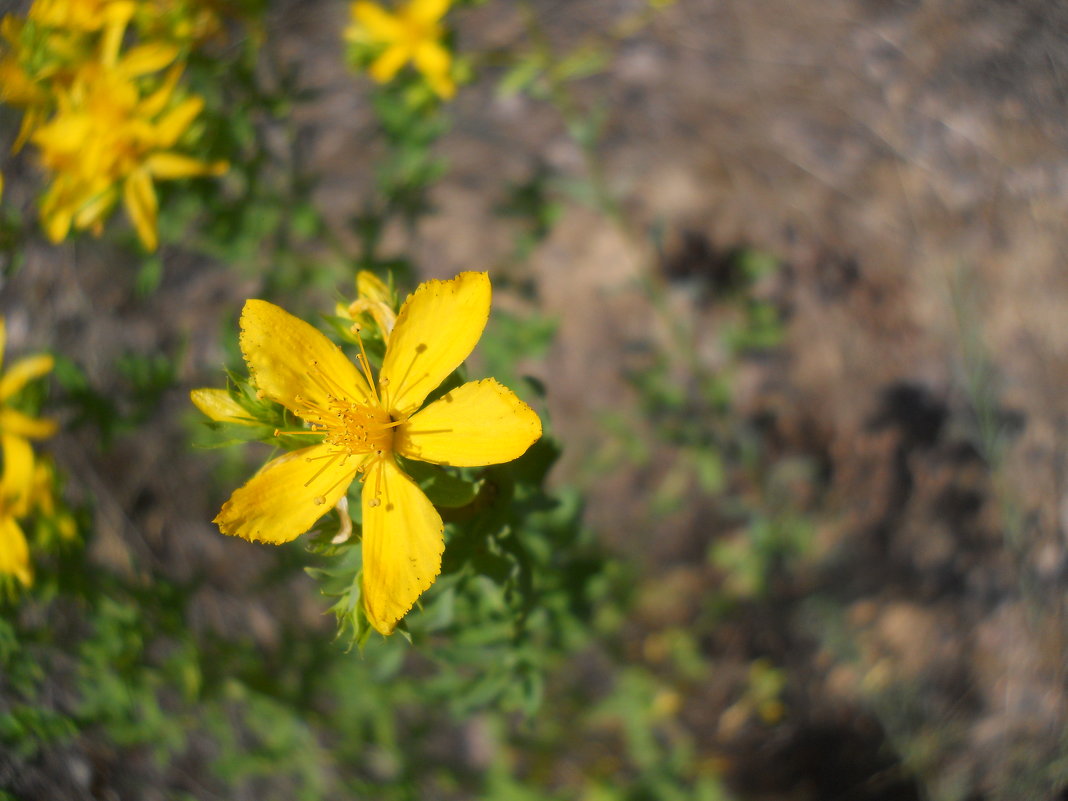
(363, 425)
(374, 303)
(16, 485)
(18, 481)
(412, 34)
(220, 406)
(105, 138)
(12, 421)
(82, 15)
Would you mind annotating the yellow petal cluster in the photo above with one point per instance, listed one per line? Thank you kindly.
(220, 406)
(106, 117)
(180, 21)
(373, 305)
(359, 425)
(411, 34)
(22, 484)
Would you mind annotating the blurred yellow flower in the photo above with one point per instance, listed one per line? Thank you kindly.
(82, 15)
(373, 304)
(412, 34)
(21, 488)
(105, 123)
(107, 138)
(361, 426)
(13, 422)
(16, 484)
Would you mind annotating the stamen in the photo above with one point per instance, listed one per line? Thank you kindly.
(406, 379)
(330, 386)
(300, 432)
(366, 365)
(378, 482)
(346, 479)
(320, 471)
(321, 456)
(316, 377)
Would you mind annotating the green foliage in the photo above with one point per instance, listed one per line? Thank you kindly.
(532, 204)
(127, 403)
(122, 690)
(26, 724)
(512, 339)
(12, 240)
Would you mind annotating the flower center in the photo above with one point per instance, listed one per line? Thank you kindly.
(353, 428)
(416, 31)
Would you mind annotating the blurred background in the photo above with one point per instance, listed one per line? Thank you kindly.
(789, 279)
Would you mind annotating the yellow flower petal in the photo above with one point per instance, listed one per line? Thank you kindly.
(403, 539)
(370, 287)
(30, 123)
(435, 62)
(56, 216)
(63, 135)
(220, 406)
(176, 121)
(92, 214)
(374, 298)
(114, 30)
(436, 329)
(56, 223)
(147, 58)
(120, 11)
(291, 361)
(14, 422)
(41, 491)
(379, 24)
(22, 372)
(428, 11)
(11, 27)
(167, 166)
(16, 482)
(14, 552)
(480, 423)
(157, 101)
(386, 66)
(141, 204)
(287, 496)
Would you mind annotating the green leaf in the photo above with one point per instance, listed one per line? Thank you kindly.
(520, 76)
(441, 487)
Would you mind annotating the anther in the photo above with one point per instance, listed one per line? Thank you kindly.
(374, 502)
